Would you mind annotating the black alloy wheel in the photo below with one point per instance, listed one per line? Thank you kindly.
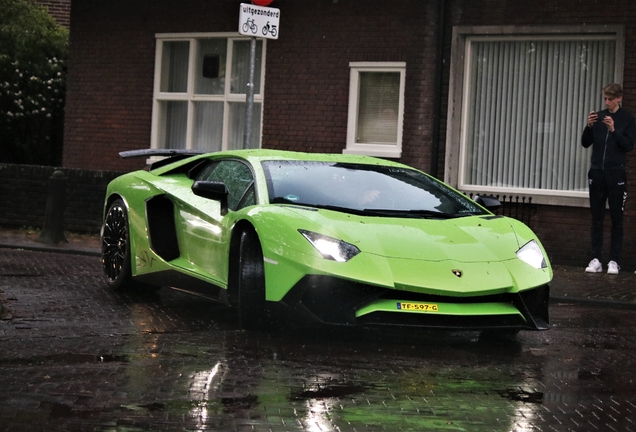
(116, 246)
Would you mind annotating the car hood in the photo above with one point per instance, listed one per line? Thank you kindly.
(465, 239)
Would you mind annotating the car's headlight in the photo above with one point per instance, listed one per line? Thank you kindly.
(531, 253)
(331, 248)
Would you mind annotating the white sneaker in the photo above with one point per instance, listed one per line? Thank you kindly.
(595, 266)
(612, 268)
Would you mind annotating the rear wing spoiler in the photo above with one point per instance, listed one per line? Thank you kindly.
(158, 152)
(170, 155)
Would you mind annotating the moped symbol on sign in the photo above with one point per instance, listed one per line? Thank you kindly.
(259, 21)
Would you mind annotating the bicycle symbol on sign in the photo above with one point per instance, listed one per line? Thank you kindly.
(271, 29)
(250, 25)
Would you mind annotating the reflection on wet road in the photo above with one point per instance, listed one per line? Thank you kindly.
(76, 356)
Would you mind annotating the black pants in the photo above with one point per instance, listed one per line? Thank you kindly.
(607, 186)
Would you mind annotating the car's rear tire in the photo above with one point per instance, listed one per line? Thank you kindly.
(250, 283)
(116, 247)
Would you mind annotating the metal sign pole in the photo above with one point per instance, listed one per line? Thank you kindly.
(252, 18)
(250, 96)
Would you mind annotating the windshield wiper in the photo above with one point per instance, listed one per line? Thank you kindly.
(431, 214)
(424, 214)
(281, 200)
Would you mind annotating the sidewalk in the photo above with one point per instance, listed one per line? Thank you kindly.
(79, 244)
(570, 284)
(573, 285)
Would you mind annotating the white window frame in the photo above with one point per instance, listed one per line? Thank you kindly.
(457, 107)
(189, 96)
(373, 149)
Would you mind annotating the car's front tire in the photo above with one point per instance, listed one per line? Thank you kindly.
(250, 283)
(116, 246)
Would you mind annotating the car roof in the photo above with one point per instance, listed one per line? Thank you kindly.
(256, 156)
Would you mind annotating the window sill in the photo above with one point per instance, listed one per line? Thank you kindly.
(390, 152)
(543, 197)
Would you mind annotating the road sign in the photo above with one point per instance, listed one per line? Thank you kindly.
(259, 21)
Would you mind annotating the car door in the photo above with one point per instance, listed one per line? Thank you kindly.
(203, 231)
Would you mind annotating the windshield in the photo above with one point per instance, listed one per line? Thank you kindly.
(368, 189)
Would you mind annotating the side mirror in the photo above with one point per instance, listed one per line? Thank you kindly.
(216, 191)
(490, 202)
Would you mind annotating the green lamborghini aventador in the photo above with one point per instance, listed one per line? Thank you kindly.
(335, 239)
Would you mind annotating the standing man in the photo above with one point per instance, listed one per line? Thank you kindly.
(611, 132)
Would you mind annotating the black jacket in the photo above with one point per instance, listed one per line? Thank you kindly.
(610, 148)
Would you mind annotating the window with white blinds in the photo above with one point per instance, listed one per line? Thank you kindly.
(526, 101)
(379, 101)
(200, 92)
(376, 107)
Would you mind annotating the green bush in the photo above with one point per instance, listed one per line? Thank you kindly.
(33, 52)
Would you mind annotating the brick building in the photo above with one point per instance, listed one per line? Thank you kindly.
(488, 95)
(58, 9)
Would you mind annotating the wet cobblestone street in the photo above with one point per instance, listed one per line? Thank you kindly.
(75, 356)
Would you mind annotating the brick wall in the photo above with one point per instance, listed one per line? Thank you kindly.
(565, 233)
(24, 192)
(111, 72)
(307, 76)
(58, 9)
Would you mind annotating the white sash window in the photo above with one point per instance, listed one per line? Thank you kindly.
(376, 109)
(200, 92)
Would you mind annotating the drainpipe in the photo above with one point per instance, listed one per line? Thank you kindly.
(437, 98)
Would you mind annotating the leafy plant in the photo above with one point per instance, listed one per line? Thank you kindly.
(33, 52)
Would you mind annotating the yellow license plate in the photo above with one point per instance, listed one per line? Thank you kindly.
(423, 307)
